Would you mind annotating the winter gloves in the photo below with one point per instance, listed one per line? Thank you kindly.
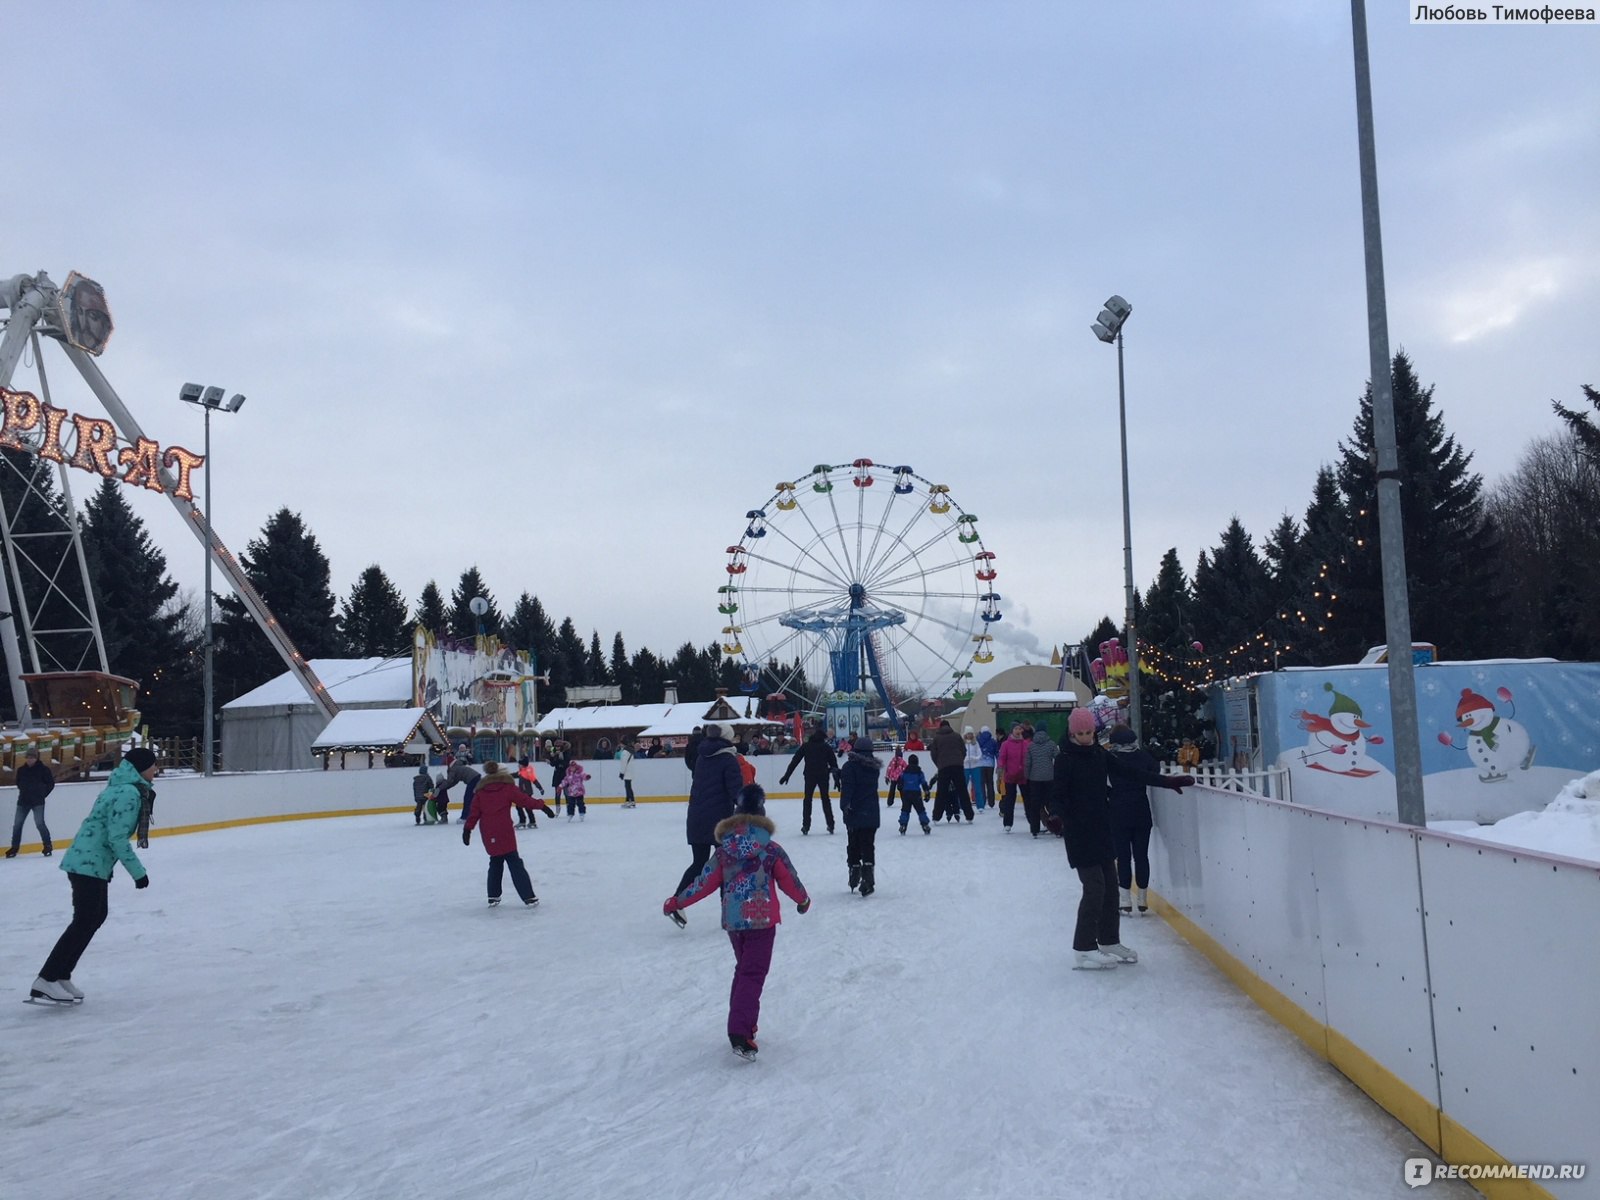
(142, 882)
(804, 906)
(466, 837)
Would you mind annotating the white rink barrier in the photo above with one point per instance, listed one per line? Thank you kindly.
(1453, 980)
(191, 803)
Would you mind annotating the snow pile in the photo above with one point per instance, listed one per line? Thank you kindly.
(1569, 825)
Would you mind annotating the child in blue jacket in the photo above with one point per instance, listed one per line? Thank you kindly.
(913, 787)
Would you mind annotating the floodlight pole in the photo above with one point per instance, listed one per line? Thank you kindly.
(1391, 539)
(210, 648)
(1127, 552)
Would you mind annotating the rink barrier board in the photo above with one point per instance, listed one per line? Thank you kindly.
(191, 803)
(1368, 924)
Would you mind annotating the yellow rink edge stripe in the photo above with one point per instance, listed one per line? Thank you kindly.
(1446, 1137)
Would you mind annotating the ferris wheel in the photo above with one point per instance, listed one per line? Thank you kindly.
(858, 577)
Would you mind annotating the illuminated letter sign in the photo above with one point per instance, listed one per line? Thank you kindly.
(36, 428)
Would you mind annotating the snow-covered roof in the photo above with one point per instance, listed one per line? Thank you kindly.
(1056, 699)
(348, 680)
(378, 728)
(652, 720)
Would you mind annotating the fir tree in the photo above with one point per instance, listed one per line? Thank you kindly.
(141, 619)
(1452, 550)
(568, 661)
(1232, 596)
(649, 675)
(622, 672)
(287, 567)
(373, 619)
(530, 628)
(1170, 672)
(595, 660)
(462, 622)
(1582, 426)
(1310, 616)
(430, 610)
(1288, 560)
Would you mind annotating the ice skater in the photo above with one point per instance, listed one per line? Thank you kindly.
(713, 797)
(1080, 802)
(819, 765)
(858, 809)
(913, 786)
(100, 844)
(35, 782)
(572, 784)
(527, 781)
(422, 792)
(492, 802)
(1131, 821)
(750, 868)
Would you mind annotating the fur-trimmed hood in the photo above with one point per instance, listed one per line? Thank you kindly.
(729, 824)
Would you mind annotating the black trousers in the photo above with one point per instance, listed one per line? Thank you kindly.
(1099, 922)
(858, 846)
(1033, 792)
(813, 785)
(1008, 803)
(1130, 833)
(89, 910)
(519, 875)
(950, 797)
(702, 855)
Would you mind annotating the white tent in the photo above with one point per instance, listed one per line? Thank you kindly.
(272, 727)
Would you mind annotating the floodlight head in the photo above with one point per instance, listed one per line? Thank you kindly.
(1119, 308)
(234, 404)
(189, 393)
(212, 397)
(1104, 334)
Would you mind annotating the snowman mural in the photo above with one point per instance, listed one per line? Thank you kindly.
(1496, 745)
(1337, 743)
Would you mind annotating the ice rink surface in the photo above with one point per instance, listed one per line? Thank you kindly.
(328, 1009)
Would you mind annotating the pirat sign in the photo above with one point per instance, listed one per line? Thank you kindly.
(44, 429)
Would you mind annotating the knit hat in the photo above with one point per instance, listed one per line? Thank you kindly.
(141, 759)
(491, 768)
(713, 730)
(1121, 735)
(1081, 721)
(912, 764)
(1471, 702)
(752, 800)
(1341, 702)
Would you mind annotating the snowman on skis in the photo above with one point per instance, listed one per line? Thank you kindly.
(1496, 745)
(1338, 742)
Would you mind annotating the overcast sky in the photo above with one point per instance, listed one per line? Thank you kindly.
(562, 289)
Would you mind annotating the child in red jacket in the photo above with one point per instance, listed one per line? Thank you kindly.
(492, 803)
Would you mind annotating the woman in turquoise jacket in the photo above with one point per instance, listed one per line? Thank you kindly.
(101, 843)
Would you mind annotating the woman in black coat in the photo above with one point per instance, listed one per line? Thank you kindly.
(1080, 801)
(712, 797)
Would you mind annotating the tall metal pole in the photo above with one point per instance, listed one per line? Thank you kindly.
(1391, 539)
(1127, 551)
(206, 733)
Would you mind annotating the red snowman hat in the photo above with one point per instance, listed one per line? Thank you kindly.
(1471, 702)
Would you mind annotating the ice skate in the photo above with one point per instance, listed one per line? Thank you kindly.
(678, 919)
(1120, 952)
(72, 990)
(855, 876)
(868, 883)
(1093, 960)
(1144, 902)
(494, 901)
(1125, 900)
(531, 901)
(927, 828)
(45, 991)
(744, 1047)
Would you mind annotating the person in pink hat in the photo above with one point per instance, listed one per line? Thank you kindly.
(1080, 805)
